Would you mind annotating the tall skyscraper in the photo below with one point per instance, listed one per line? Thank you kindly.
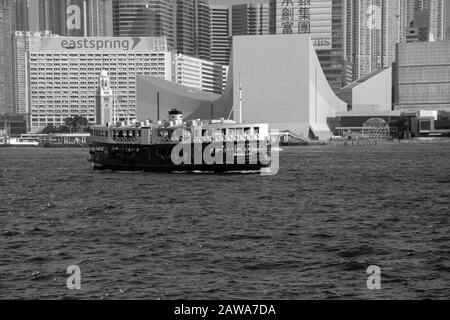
(220, 34)
(145, 18)
(251, 19)
(27, 15)
(394, 28)
(410, 5)
(447, 21)
(23, 43)
(339, 70)
(7, 27)
(185, 23)
(14, 15)
(194, 28)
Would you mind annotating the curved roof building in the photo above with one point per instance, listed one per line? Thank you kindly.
(283, 85)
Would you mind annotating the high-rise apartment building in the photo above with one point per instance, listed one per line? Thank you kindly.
(24, 42)
(8, 25)
(220, 34)
(377, 26)
(447, 21)
(338, 71)
(431, 19)
(394, 28)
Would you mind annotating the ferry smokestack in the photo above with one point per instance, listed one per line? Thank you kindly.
(176, 117)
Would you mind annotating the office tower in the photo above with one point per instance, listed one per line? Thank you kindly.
(251, 19)
(194, 28)
(77, 18)
(220, 34)
(422, 77)
(145, 18)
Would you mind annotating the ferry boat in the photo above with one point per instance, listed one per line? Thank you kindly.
(177, 146)
(19, 142)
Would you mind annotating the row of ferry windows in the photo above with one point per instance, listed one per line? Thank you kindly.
(216, 132)
(198, 133)
(117, 133)
(225, 132)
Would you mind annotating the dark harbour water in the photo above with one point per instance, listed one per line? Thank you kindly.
(309, 232)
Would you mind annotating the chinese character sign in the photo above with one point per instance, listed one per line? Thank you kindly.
(287, 16)
(306, 17)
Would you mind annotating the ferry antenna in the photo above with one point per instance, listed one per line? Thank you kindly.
(240, 98)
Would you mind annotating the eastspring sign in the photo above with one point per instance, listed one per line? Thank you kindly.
(103, 44)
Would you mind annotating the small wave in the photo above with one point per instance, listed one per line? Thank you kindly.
(8, 233)
(358, 251)
(354, 266)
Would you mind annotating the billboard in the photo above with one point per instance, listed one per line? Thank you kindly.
(104, 44)
(312, 17)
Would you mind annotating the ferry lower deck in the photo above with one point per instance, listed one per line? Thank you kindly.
(223, 157)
